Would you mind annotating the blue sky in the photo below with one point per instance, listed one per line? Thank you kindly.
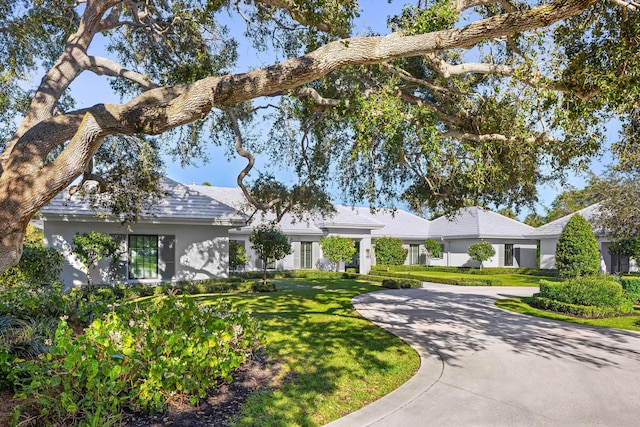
(90, 89)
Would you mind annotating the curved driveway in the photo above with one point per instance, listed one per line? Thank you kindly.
(483, 366)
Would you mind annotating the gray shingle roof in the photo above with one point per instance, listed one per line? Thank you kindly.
(180, 204)
(399, 223)
(479, 223)
(381, 222)
(554, 228)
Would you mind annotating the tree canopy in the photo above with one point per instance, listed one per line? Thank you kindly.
(337, 249)
(457, 102)
(572, 200)
(481, 252)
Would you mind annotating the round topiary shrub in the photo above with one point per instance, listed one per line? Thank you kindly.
(577, 251)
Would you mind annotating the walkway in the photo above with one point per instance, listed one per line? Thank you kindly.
(483, 366)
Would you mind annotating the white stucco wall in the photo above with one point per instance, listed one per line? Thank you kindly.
(201, 251)
(548, 255)
(456, 253)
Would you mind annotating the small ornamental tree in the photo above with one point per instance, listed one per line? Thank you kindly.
(577, 250)
(91, 248)
(625, 247)
(433, 249)
(337, 249)
(270, 244)
(481, 251)
(389, 251)
(237, 255)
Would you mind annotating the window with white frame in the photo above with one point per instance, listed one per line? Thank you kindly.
(306, 255)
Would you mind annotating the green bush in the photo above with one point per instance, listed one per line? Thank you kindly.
(630, 284)
(466, 270)
(401, 283)
(596, 291)
(37, 266)
(423, 277)
(587, 311)
(631, 287)
(389, 251)
(268, 286)
(138, 358)
(577, 251)
(27, 302)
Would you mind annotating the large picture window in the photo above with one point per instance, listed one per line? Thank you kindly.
(143, 256)
(306, 255)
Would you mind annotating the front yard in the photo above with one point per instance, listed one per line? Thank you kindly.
(334, 360)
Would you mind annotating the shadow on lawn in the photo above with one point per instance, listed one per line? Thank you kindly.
(325, 343)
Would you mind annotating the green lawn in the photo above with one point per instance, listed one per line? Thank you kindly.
(519, 305)
(335, 361)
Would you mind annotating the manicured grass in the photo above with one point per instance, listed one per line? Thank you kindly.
(503, 279)
(519, 305)
(335, 361)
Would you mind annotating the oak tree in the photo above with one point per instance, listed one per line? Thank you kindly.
(458, 101)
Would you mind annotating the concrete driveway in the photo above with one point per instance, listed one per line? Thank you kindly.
(483, 366)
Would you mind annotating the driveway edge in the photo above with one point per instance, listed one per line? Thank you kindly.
(429, 372)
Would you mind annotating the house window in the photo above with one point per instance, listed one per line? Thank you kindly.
(508, 254)
(143, 257)
(441, 251)
(414, 254)
(306, 255)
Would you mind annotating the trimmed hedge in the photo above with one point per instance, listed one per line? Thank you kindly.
(589, 290)
(401, 284)
(465, 270)
(631, 287)
(587, 311)
(445, 280)
(630, 284)
(601, 292)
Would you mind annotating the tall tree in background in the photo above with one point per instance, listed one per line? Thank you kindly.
(571, 200)
(462, 101)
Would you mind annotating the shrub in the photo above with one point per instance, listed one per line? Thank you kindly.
(481, 251)
(337, 249)
(587, 311)
(401, 283)
(91, 248)
(389, 251)
(268, 286)
(577, 250)
(432, 248)
(631, 287)
(37, 266)
(26, 338)
(237, 255)
(597, 291)
(136, 358)
(26, 302)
